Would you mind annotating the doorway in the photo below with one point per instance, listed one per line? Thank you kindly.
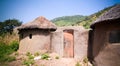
(68, 43)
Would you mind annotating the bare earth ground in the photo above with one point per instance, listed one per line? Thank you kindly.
(55, 62)
(51, 62)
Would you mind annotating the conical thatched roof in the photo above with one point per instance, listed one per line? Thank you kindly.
(39, 23)
(112, 14)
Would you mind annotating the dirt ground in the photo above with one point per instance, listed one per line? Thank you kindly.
(55, 62)
(51, 62)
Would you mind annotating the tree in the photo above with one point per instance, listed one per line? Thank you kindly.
(8, 25)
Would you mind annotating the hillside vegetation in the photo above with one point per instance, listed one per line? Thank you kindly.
(89, 19)
(79, 20)
(68, 20)
(9, 40)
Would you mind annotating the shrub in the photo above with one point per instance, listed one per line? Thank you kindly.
(16, 53)
(37, 54)
(10, 58)
(85, 60)
(28, 54)
(78, 64)
(45, 56)
(30, 57)
(57, 57)
(7, 58)
(6, 50)
(28, 62)
(14, 45)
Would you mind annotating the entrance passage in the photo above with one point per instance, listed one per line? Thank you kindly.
(68, 44)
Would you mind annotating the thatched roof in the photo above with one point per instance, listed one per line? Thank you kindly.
(39, 23)
(112, 14)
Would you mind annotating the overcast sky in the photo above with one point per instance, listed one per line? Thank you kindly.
(28, 10)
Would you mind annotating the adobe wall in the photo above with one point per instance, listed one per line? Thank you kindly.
(80, 44)
(39, 42)
(105, 53)
(57, 43)
(80, 41)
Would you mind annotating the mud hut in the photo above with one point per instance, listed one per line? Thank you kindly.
(106, 38)
(35, 35)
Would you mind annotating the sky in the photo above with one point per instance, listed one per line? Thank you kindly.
(28, 10)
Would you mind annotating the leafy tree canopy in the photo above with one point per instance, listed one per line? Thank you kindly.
(7, 26)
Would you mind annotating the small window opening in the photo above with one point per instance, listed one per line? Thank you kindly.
(114, 37)
(30, 36)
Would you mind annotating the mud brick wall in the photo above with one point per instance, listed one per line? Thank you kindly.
(57, 42)
(80, 44)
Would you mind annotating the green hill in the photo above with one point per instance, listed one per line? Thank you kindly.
(89, 19)
(68, 20)
(79, 20)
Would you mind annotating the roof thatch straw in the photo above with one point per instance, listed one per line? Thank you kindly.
(112, 14)
(39, 23)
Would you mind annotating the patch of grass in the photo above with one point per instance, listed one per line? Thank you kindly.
(85, 60)
(3, 64)
(8, 58)
(16, 53)
(30, 57)
(78, 64)
(45, 56)
(28, 54)
(6, 50)
(14, 45)
(42, 65)
(57, 57)
(36, 65)
(28, 62)
(37, 54)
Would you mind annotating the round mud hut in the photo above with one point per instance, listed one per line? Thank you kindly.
(35, 36)
(106, 38)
